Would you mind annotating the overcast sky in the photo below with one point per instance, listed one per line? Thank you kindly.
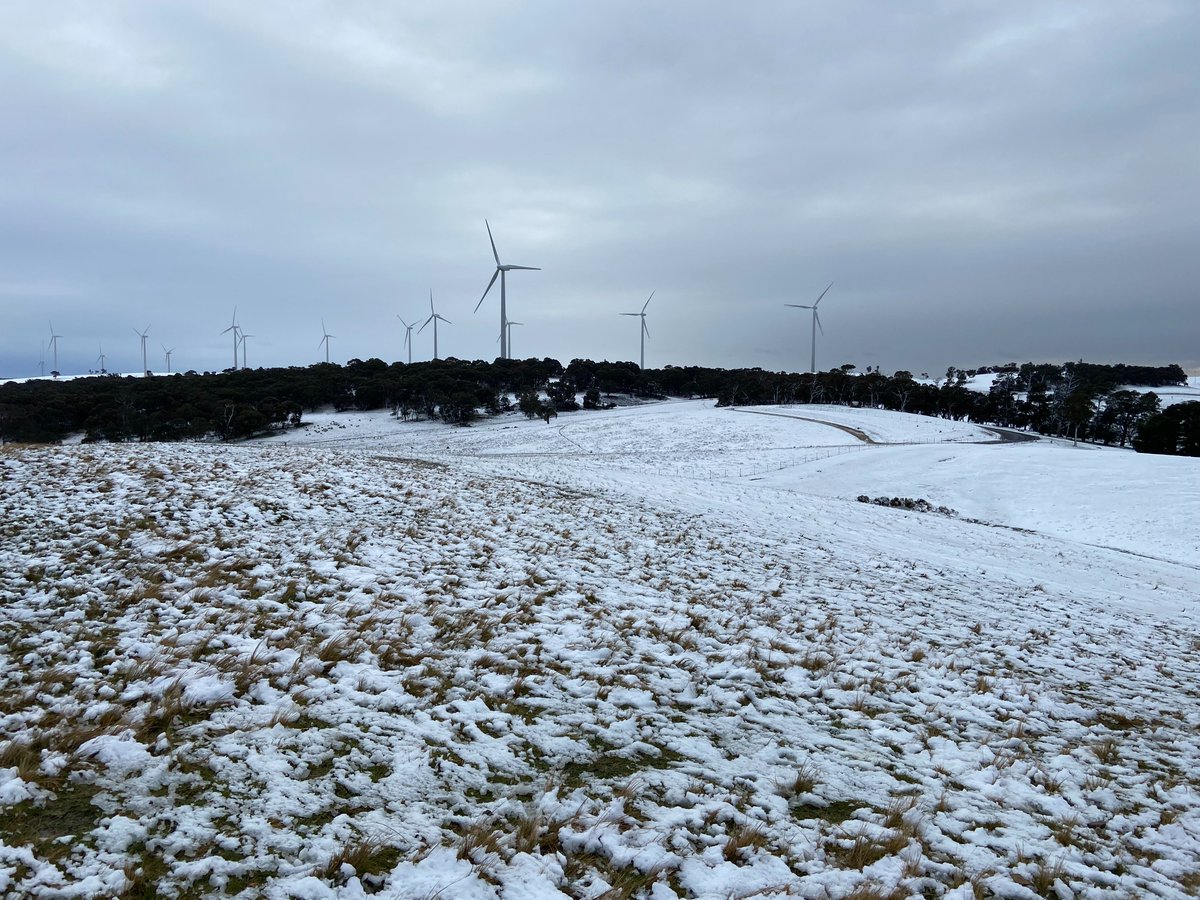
(982, 181)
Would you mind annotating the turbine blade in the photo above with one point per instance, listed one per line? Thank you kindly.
(495, 275)
(427, 321)
(645, 328)
(797, 306)
(817, 317)
(628, 314)
(526, 268)
(823, 293)
(648, 299)
(444, 319)
(493, 240)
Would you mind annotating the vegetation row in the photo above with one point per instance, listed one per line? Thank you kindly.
(1083, 401)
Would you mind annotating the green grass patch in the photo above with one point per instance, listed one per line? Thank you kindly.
(69, 814)
(836, 812)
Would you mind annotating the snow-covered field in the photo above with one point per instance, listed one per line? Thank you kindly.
(1172, 394)
(653, 652)
(1169, 395)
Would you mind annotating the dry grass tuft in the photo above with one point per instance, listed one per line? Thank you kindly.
(873, 891)
(1106, 750)
(1043, 876)
(368, 856)
(481, 842)
(803, 782)
(742, 839)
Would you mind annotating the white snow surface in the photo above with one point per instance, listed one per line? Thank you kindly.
(658, 651)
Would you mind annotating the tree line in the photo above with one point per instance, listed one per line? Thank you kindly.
(1082, 401)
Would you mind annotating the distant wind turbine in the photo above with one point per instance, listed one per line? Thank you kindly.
(168, 353)
(325, 340)
(645, 330)
(54, 346)
(499, 273)
(100, 358)
(407, 336)
(242, 340)
(233, 327)
(816, 323)
(510, 327)
(143, 335)
(435, 318)
(42, 359)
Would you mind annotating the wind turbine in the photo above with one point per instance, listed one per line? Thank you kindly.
(100, 359)
(142, 335)
(54, 346)
(434, 318)
(243, 343)
(42, 360)
(645, 330)
(168, 353)
(325, 340)
(500, 272)
(233, 326)
(510, 325)
(408, 336)
(816, 323)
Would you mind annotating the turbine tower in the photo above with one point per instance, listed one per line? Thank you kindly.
(501, 269)
(510, 326)
(142, 335)
(435, 318)
(233, 326)
(816, 323)
(325, 340)
(42, 360)
(645, 330)
(408, 336)
(54, 346)
(168, 353)
(243, 343)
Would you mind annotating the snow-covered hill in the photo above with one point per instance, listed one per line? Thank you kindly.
(1168, 395)
(657, 652)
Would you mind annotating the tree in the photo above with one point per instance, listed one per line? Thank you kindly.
(562, 395)
(530, 404)
(1175, 431)
(1123, 412)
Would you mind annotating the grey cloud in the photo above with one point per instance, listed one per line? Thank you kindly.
(983, 181)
